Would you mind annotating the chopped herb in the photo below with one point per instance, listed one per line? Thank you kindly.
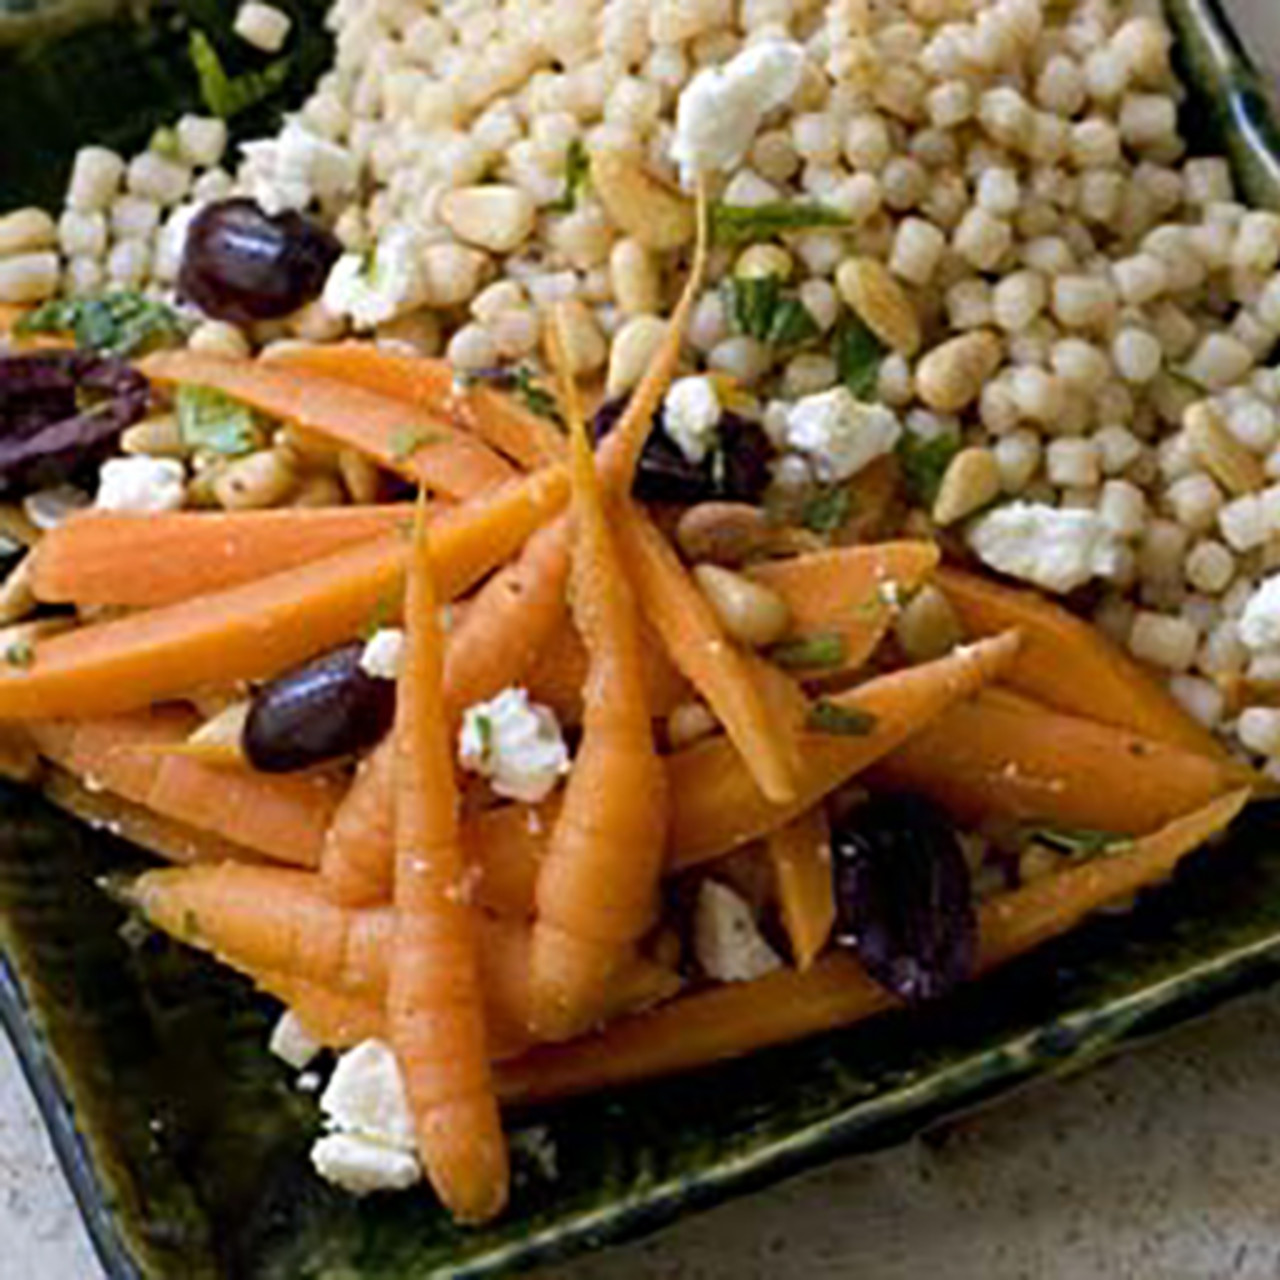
(535, 397)
(924, 463)
(826, 510)
(577, 168)
(1078, 842)
(224, 95)
(384, 613)
(119, 323)
(858, 353)
(407, 440)
(761, 309)
(484, 730)
(735, 225)
(21, 653)
(210, 421)
(822, 649)
(826, 716)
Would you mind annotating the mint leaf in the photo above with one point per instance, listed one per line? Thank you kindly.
(407, 440)
(577, 169)
(118, 323)
(735, 225)
(224, 95)
(826, 510)
(822, 649)
(761, 309)
(858, 353)
(210, 421)
(826, 716)
(924, 463)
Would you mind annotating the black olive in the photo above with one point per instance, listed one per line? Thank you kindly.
(323, 710)
(241, 265)
(738, 471)
(904, 898)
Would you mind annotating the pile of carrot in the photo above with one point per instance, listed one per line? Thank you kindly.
(507, 953)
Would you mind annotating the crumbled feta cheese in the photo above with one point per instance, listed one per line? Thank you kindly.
(370, 1145)
(290, 171)
(291, 1042)
(1260, 622)
(141, 484)
(720, 110)
(48, 508)
(839, 434)
(377, 287)
(1058, 550)
(382, 653)
(726, 940)
(690, 415)
(362, 1167)
(514, 743)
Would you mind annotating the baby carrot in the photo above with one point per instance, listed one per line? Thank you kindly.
(355, 863)
(435, 1010)
(801, 857)
(597, 888)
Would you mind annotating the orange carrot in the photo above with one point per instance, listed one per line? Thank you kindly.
(739, 1018)
(847, 596)
(1069, 665)
(597, 888)
(101, 558)
(279, 816)
(696, 643)
(716, 806)
(417, 445)
(801, 856)
(356, 863)
(1003, 757)
(434, 387)
(260, 628)
(332, 1019)
(435, 1010)
(506, 846)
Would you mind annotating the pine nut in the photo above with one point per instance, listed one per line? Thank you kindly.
(644, 208)
(262, 479)
(970, 482)
(29, 277)
(584, 345)
(633, 273)
(359, 475)
(223, 732)
(760, 261)
(1220, 453)
(319, 490)
(157, 437)
(927, 628)
(688, 722)
(634, 346)
(733, 533)
(952, 375)
(494, 217)
(218, 338)
(749, 612)
(870, 289)
(26, 231)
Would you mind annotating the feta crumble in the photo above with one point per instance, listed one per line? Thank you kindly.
(720, 111)
(370, 1145)
(141, 484)
(292, 1043)
(383, 653)
(691, 415)
(838, 434)
(290, 171)
(1260, 622)
(374, 288)
(514, 743)
(1058, 550)
(726, 940)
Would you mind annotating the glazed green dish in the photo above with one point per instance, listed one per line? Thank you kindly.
(186, 1142)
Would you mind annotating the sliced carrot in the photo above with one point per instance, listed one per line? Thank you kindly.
(847, 595)
(1069, 665)
(695, 641)
(1002, 757)
(261, 628)
(435, 1003)
(278, 816)
(739, 1018)
(801, 856)
(101, 558)
(597, 887)
(716, 805)
(419, 446)
(434, 387)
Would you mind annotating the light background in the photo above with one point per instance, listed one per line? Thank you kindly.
(1164, 1165)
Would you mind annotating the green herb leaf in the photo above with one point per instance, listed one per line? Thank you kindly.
(21, 653)
(577, 169)
(734, 225)
(210, 421)
(484, 730)
(226, 96)
(858, 355)
(821, 649)
(826, 716)
(826, 510)
(924, 463)
(1079, 842)
(119, 323)
(760, 309)
(407, 440)
(533, 395)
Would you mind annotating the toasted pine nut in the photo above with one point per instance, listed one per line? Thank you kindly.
(262, 479)
(732, 533)
(319, 490)
(359, 475)
(927, 627)
(688, 722)
(952, 375)
(970, 482)
(750, 613)
(157, 437)
(1220, 453)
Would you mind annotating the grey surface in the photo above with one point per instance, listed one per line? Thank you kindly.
(1165, 1164)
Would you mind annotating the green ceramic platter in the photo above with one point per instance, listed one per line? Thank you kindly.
(186, 1143)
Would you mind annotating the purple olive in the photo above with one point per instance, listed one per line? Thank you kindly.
(904, 898)
(324, 710)
(738, 471)
(241, 265)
